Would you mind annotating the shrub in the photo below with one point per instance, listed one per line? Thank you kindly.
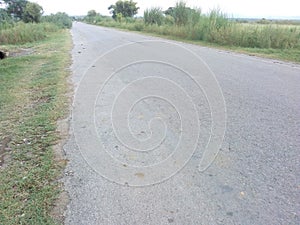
(169, 20)
(194, 16)
(92, 17)
(180, 13)
(62, 20)
(153, 16)
(138, 26)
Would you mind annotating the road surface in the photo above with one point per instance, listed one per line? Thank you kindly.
(157, 109)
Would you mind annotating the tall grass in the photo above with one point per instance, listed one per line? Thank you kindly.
(180, 13)
(153, 16)
(21, 33)
(214, 27)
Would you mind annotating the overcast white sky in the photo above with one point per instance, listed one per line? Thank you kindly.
(237, 8)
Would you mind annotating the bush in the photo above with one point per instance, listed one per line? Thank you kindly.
(92, 17)
(194, 16)
(62, 20)
(139, 26)
(169, 20)
(153, 16)
(180, 13)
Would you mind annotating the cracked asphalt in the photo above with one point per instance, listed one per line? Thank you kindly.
(255, 177)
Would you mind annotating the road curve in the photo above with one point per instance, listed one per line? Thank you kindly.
(123, 80)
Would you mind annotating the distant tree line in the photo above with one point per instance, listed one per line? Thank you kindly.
(179, 15)
(30, 12)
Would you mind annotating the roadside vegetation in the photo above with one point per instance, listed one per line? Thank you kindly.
(21, 33)
(33, 86)
(15, 32)
(278, 39)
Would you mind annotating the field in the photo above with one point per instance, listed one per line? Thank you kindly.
(33, 86)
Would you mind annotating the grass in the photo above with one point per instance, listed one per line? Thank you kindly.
(32, 99)
(21, 33)
(273, 40)
(289, 55)
(185, 35)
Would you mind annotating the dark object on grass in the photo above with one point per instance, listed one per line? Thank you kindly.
(2, 55)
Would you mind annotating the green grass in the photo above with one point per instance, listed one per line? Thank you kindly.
(32, 99)
(277, 41)
(289, 55)
(21, 33)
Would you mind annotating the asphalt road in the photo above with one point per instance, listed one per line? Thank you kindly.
(171, 133)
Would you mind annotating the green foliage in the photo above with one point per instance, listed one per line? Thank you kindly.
(180, 13)
(183, 15)
(217, 19)
(16, 10)
(194, 16)
(134, 24)
(169, 20)
(126, 8)
(4, 17)
(119, 17)
(263, 21)
(15, 7)
(21, 33)
(32, 13)
(153, 16)
(169, 11)
(92, 17)
(92, 13)
(139, 26)
(62, 20)
(214, 27)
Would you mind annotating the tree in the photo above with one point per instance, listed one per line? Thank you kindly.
(126, 8)
(183, 14)
(3, 15)
(92, 13)
(169, 11)
(93, 17)
(15, 7)
(32, 13)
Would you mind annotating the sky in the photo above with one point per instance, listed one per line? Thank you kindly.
(234, 8)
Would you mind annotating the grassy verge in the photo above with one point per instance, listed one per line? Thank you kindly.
(32, 99)
(275, 39)
(272, 39)
(290, 54)
(20, 33)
